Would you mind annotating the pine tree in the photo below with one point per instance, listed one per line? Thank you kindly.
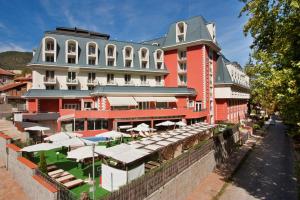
(43, 162)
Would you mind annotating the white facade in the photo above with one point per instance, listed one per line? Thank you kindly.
(229, 93)
(237, 75)
(60, 78)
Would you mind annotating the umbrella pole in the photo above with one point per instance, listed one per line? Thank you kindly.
(93, 146)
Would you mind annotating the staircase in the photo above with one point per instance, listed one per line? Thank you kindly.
(8, 128)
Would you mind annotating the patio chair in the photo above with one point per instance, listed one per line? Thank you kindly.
(65, 178)
(73, 183)
(51, 168)
(60, 175)
(55, 172)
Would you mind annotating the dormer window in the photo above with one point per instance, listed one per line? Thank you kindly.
(144, 57)
(181, 31)
(128, 56)
(159, 59)
(92, 53)
(111, 54)
(71, 51)
(49, 49)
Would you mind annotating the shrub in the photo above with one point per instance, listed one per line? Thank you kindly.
(256, 126)
(43, 162)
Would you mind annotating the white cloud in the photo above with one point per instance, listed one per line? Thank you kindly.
(9, 46)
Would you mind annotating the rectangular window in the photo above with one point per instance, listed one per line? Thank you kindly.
(110, 51)
(127, 78)
(50, 46)
(182, 79)
(182, 67)
(161, 105)
(191, 104)
(143, 78)
(110, 62)
(71, 48)
(158, 80)
(144, 64)
(49, 87)
(92, 61)
(144, 105)
(71, 60)
(49, 75)
(128, 53)
(91, 87)
(92, 50)
(128, 63)
(79, 125)
(72, 87)
(88, 105)
(159, 65)
(71, 106)
(198, 106)
(110, 78)
(182, 54)
(91, 77)
(71, 76)
(50, 58)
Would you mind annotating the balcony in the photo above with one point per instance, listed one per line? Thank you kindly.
(71, 81)
(91, 82)
(50, 80)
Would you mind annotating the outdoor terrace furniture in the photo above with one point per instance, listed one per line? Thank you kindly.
(51, 168)
(55, 172)
(65, 178)
(73, 183)
(60, 175)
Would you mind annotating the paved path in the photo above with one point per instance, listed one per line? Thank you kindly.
(268, 171)
(9, 189)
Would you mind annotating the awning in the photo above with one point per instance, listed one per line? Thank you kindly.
(144, 99)
(165, 99)
(122, 101)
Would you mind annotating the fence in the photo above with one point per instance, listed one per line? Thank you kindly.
(149, 183)
(63, 193)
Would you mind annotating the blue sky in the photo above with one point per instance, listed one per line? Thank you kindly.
(22, 23)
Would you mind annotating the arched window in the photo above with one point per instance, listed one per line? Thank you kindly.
(159, 59)
(71, 50)
(49, 49)
(128, 56)
(92, 53)
(144, 57)
(181, 31)
(111, 54)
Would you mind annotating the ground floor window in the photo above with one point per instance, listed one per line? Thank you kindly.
(162, 105)
(144, 105)
(71, 106)
(79, 124)
(97, 124)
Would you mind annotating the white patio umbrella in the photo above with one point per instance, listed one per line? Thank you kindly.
(61, 136)
(40, 147)
(142, 125)
(84, 152)
(38, 128)
(113, 134)
(75, 142)
(141, 129)
(180, 123)
(166, 123)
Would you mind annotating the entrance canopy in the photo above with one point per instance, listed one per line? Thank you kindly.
(122, 101)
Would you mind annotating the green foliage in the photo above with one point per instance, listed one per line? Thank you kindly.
(274, 69)
(256, 126)
(43, 163)
(15, 60)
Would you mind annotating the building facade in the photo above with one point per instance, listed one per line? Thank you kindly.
(96, 83)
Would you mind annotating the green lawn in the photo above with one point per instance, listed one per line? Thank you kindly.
(76, 169)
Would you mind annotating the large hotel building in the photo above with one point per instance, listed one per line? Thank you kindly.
(85, 81)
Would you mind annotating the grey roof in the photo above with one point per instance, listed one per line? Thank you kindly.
(144, 90)
(160, 41)
(42, 93)
(196, 30)
(82, 42)
(222, 75)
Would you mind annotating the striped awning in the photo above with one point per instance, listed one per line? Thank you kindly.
(165, 99)
(144, 99)
(122, 101)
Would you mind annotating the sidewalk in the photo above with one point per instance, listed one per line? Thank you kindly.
(213, 183)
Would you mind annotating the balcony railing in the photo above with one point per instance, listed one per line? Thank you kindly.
(72, 81)
(50, 80)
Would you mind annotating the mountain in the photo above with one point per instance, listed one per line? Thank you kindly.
(15, 60)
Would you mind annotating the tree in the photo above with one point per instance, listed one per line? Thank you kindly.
(43, 163)
(275, 71)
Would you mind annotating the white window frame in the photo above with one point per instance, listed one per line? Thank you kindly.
(44, 51)
(128, 58)
(161, 60)
(91, 55)
(114, 56)
(178, 31)
(67, 54)
(146, 59)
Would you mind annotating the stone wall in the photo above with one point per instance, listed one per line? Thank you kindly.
(23, 172)
(183, 184)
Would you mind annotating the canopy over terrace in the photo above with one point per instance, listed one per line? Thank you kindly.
(123, 153)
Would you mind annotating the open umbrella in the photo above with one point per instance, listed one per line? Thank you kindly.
(84, 152)
(113, 134)
(75, 142)
(40, 147)
(142, 125)
(180, 123)
(38, 128)
(61, 136)
(166, 123)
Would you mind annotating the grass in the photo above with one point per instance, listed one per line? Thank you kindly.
(74, 168)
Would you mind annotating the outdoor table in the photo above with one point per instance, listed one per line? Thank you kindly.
(55, 172)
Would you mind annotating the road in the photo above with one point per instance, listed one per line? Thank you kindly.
(268, 171)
